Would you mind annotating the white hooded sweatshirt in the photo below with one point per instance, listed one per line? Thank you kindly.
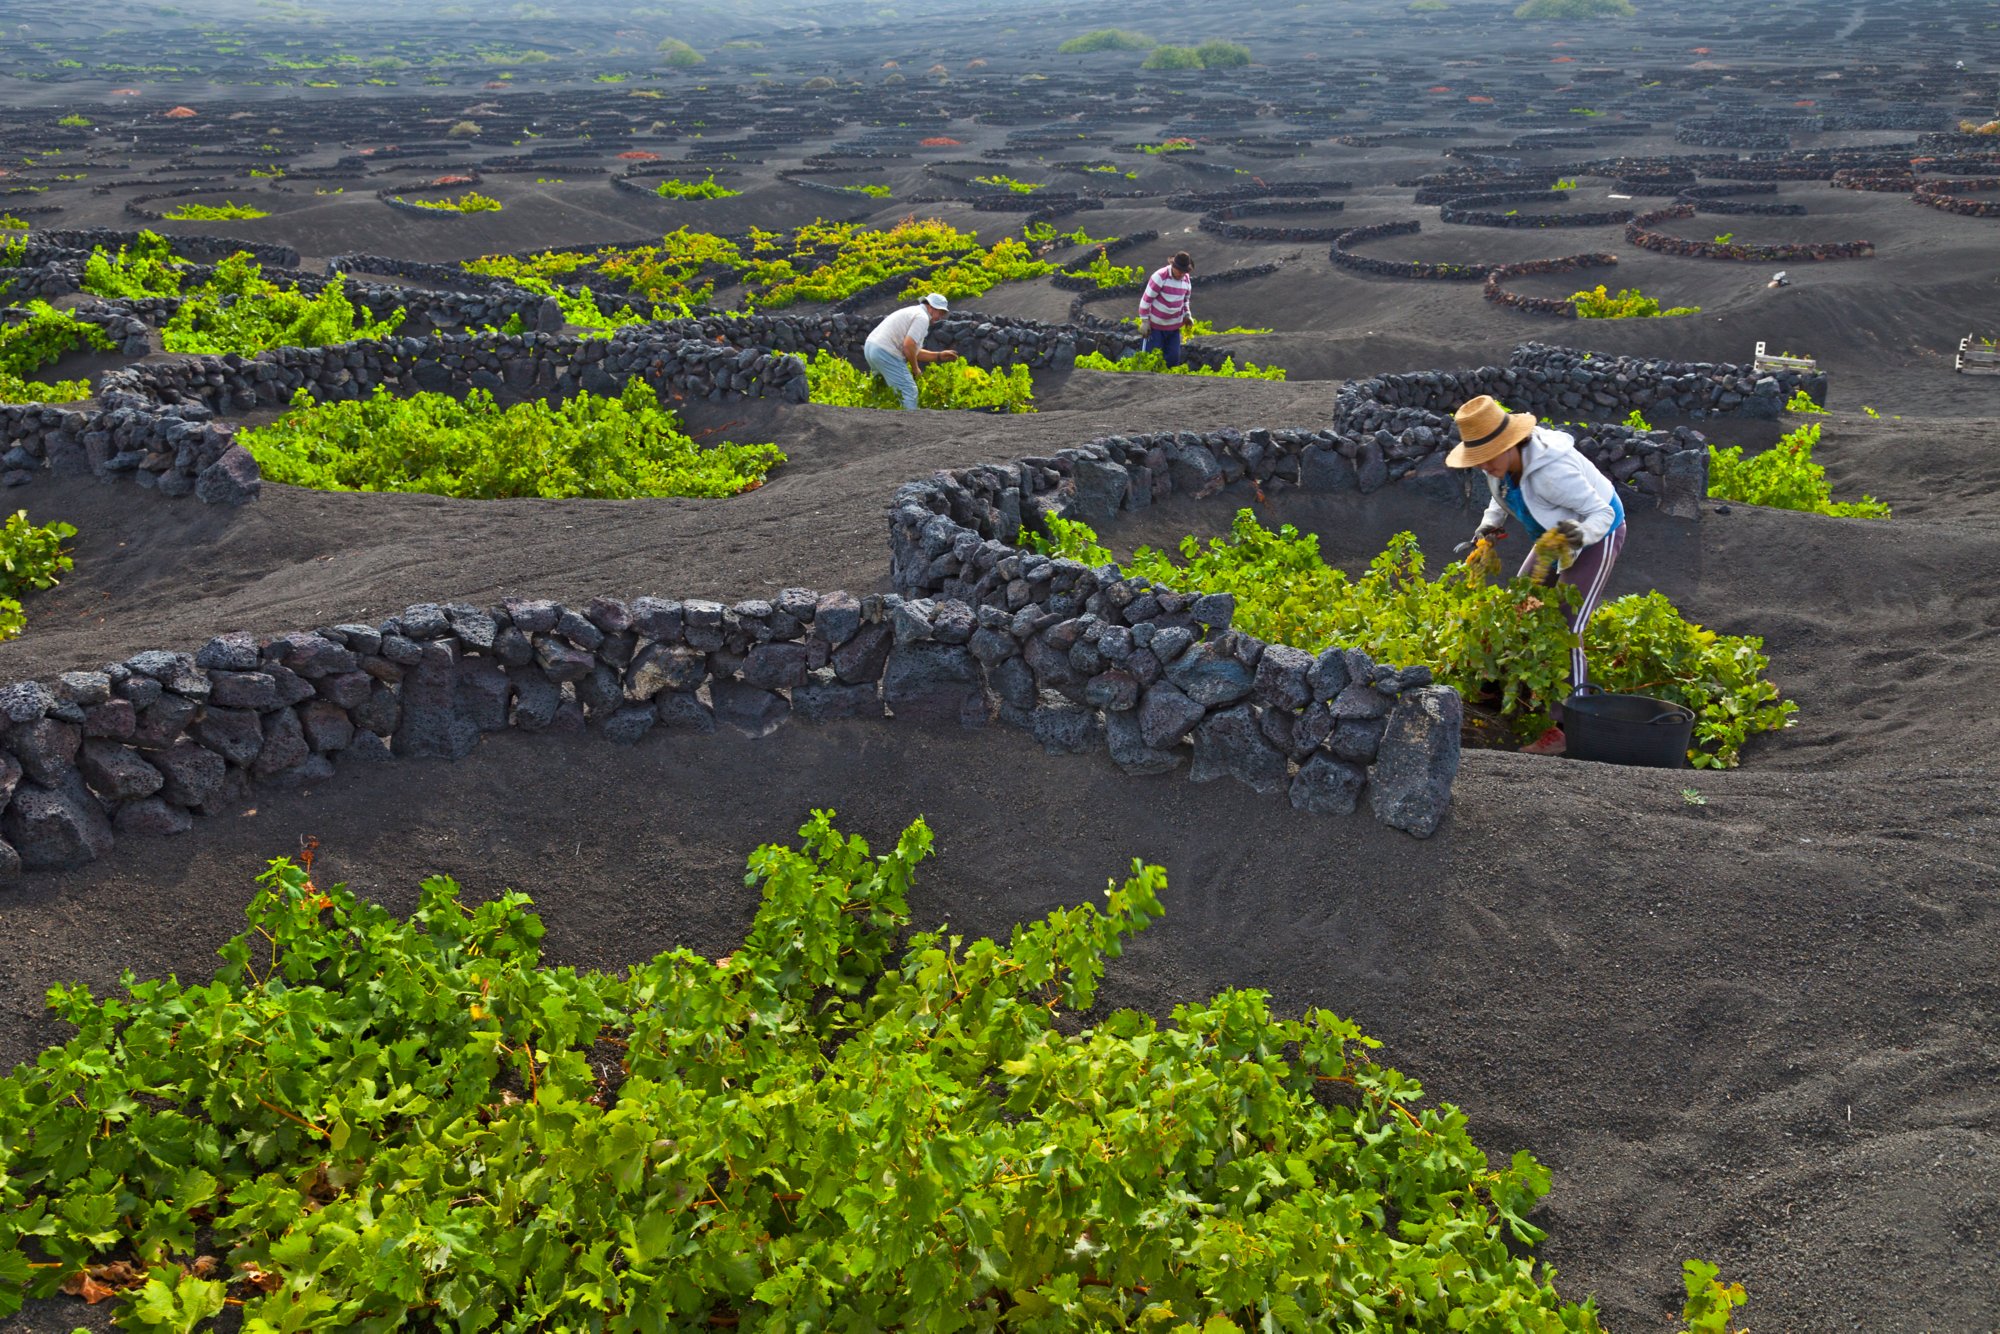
(1558, 483)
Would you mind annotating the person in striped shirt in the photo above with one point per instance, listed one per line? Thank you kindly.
(1163, 307)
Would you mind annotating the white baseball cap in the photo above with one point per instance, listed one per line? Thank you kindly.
(936, 301)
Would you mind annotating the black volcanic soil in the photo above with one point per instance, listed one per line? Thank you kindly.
(1748, 1016)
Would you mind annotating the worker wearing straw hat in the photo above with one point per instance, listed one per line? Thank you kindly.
(1568, 508)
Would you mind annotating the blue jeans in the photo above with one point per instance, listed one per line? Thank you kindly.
(896, 371)
(1167, 341)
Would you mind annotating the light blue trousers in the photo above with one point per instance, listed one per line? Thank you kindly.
(896, 371)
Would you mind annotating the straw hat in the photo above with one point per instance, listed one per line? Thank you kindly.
(1485, 431)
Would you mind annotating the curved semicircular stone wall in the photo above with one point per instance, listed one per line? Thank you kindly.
(977, 630)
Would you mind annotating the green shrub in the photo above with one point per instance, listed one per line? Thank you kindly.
(395, 1119)
(1107, 39)
(1009, 183)
(239, 310)
(1008, 261)
(1045, 233)
(1103, 273)
(703, 189)
(16, 389)
(149, 269)
(1630, 304)
(1575, 9)
(1802, 402)
(1784, 477)
(1203, 329)
(1218, 54)
(819, 262)
(837, 382)
(1155, 363)
(75, 122)
(1472, 634)
(1172, 57)
(1564, 184)
(872, 191)
(855, 258)
(608, 448)
(582, 309)
(43, 337)
(227, 211)
(469, 202)
(678, 53)
(464, 129)
(1428, 6)
(1168, 146)
(32, 558)
(10, 223)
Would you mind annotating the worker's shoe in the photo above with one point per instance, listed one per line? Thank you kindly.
(1551, 742)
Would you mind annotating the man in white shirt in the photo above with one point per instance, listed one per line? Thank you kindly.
(895, 348)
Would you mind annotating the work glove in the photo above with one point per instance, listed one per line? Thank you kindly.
(1556, 550)
(1488, 533)
(1482, 562)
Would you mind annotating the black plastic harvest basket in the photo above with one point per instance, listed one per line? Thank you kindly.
(1626, 729)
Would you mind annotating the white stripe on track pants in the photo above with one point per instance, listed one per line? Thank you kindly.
(1590, 572)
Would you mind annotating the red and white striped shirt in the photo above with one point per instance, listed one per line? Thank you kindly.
(1164, 303)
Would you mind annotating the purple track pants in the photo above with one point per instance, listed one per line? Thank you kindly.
(1591, 572)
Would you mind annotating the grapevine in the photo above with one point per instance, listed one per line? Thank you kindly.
(43, 337)
(1155, 363)
(588, 445)
(1510, 638)
(1784, 477)
(837, 382)
(239, 310)
(364, 1120)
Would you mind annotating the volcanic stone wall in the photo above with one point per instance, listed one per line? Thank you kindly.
(154, 421)
(176, 450)
(1241, 273)
(712, 357)
(1483, 211)
(86, 239)
(1496, 278)
(1344, 256)
(59, 270)
(1227, 220)
(503, 364)
(983, 340)
(1945, 195)
(1639, 233)
(1086, 659)
(1392, 426)
(448, 276)
(1557, 381)
(143, 746)
(1077, 282)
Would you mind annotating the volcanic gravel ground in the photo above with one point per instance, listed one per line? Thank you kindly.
(1674, 1005)
(1747, 1016)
